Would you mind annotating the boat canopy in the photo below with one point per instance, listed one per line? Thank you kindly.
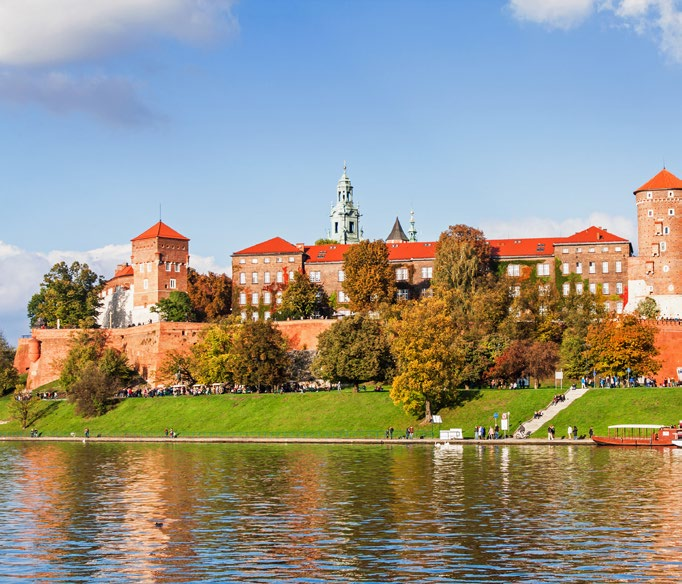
(635, 426)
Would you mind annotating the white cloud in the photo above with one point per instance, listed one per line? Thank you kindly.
(539, 227)
(39, 32)
(658, 19)
(553, 13)
(111, 99)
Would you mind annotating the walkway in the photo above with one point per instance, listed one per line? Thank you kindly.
(534, 424)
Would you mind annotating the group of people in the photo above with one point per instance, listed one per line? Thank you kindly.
(170, 433)
(492, 433)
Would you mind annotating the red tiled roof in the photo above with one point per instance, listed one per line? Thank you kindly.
(328, 253)
(592, 235)
(126, 270)
(515, 248)
(274, 245)
(411, 250)
(160, 230)
(662, 181)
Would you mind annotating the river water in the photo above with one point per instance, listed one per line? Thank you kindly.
(179, 512)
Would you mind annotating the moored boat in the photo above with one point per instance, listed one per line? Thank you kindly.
(640, 435)
(678, 443)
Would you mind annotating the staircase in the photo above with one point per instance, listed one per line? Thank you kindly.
(552, 410)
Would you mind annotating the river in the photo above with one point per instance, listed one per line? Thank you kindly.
(181, 512)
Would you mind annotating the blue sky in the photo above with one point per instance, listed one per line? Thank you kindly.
(520, 117)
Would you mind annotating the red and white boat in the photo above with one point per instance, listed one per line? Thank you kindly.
(640, 435)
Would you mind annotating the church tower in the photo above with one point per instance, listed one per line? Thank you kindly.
(345, 216)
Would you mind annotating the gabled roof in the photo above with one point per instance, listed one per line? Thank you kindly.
(126, 270)
(160, 230)
(664, 180)
(592, 235)
(517, 248)
(274, 245)
(397, 233)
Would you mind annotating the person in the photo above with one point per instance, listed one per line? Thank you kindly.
(575, 432)
(390, 432)
(481, 432)
(591, 432)
(87, 432)
(338, 386)
(550, 433)
(570, 432)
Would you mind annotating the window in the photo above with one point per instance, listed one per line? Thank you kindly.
(254, 316)
(593, 288)
(670, 194)
(243, 315)
(266, 278)
(619, 267)
(578, 267)
(279, 260)
(177, 267)
(666, 269)
(605, 267)
(280, 277)
(619, 287)
(141, 268)
(579, 250)
(343, 297)
(565, 250)
(254, 298)
(654, 249)
(266, 261)
(650, 213)
(513, 270)
(543, 269)
(168, 266)
(254, 277)
(266, 315)
(242, 278)
(593, 268)
(342, 275)
(242, 261)
(149, 266)
(591, 250)
(605, 288)
(172, 284)
(666, 231)
(619, 307)
(254, 260)
(145, 284)
(292, 259)
(566, 288)
(671, 212)
(242, 298)
(658, 228)
(649, 267)
(605, 249)
(579, 288)
(664, 246)
(566, 269)
(279, 298)
(401, 274)
(616, 249)
(315, 276)
(403, 294)
(351, 227)
(267, 298)
(649, 195)
(427, 273)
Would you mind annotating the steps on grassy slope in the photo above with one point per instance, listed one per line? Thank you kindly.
(552, 410)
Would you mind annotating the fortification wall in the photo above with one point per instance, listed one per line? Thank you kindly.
(669, 343)
(146, 346)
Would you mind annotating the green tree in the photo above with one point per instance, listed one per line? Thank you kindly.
(212, 359)
(369, 279)
(354, 349)
(648, 309)
(325, 241)
(303, 299)
(623, 342)
(210, 295)
(9, 376)
(68, 296)
(577, 313)
(93, 391)
(260, 355)
(23, 408)
(533, 311)
(462, 259)
(176, 308)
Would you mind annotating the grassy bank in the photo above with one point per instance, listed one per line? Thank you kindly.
(344, 414)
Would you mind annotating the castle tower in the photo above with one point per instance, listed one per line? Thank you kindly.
(412, 233)
(657, 271)
(397, 234)
(345, 216)
(160, 258)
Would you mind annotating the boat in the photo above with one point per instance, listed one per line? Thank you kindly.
(640, 435)
(678, 443)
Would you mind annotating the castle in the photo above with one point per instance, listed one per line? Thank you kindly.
(587, 262)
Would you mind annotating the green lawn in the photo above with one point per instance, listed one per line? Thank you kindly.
(346, 414)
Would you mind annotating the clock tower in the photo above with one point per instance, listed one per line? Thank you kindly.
(345, 216)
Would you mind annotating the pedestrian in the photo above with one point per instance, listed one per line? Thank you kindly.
(87, 432)
(550, 433)
(591, 432)
(575, 432)
(390, 432)
(570, 432)
(338, 386)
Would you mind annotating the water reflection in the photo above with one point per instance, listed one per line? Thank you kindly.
(183, 512)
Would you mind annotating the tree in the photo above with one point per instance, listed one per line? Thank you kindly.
(525, 358)
(9, 376)
(462, 259)
(212, 358)
(577, 313)
(303, 299)
(624, 342)
(354, 349)
(176, 308)
(210, 295)
(369, 279)
(300, 363)
(93, 391)
(260, 355)
(23, 408)
(69, 296)
(533, 311)
(648, 309)
(325, 241)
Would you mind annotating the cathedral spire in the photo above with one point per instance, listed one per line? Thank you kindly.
(345, 215)
(412, 231)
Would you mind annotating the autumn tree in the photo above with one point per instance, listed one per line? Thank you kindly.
(577, 313)
(8, 374)
(212, 358)
(68, 296)
(369, 279)
(176, 308)
(260, 355)
(210, 295)
(354, 349)
(303, 299)
(533, 311)
(462, 258)
(525, 358)
(623, 342)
